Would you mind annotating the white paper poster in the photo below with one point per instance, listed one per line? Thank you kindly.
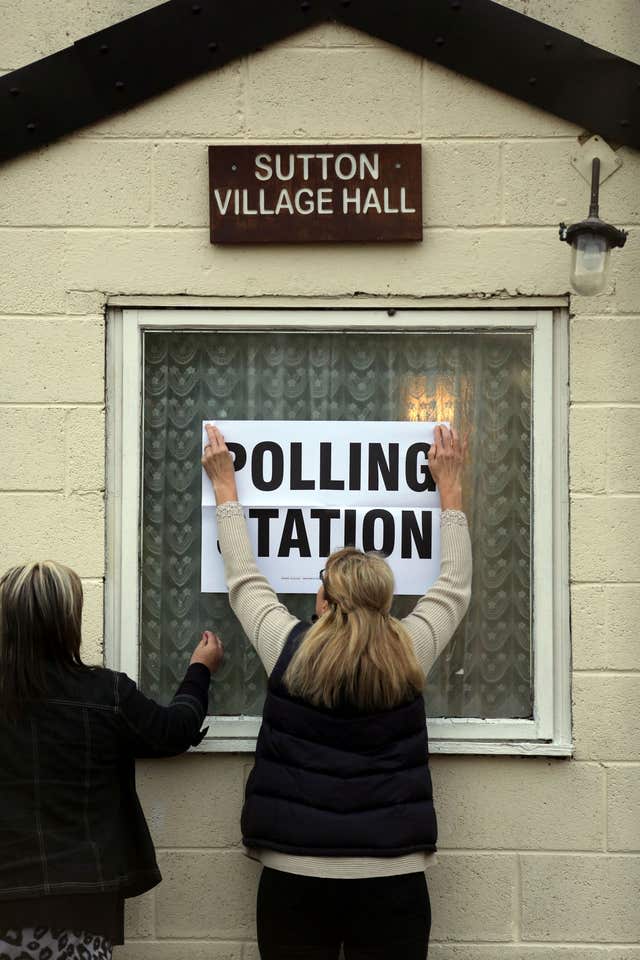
(311, 487)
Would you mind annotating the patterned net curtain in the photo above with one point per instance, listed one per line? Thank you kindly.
(479, 381)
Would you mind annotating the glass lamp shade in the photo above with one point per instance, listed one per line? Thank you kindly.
(589, 263)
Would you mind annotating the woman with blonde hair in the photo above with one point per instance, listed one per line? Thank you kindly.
(339, 806)
(74, 842)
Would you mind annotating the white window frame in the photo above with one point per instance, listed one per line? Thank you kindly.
(549, 732)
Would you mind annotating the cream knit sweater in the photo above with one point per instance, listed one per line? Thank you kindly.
(267, 624)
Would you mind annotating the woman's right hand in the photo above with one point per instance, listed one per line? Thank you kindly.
(209, 651)
(219, 467)
(446, 460)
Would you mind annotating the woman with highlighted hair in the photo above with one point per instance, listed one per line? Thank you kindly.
(339, 806)
(74, 842)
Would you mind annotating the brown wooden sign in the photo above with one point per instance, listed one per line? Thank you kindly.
(337, 193)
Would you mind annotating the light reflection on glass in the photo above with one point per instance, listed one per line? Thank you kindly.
(439, 405)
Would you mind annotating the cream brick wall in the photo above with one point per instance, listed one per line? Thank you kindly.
(539, 858)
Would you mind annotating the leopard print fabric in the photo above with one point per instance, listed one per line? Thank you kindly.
(45, 943)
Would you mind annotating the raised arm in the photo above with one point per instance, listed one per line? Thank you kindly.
(437, 614)
(266, 622)
(148, 729)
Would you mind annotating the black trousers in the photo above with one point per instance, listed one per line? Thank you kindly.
(310, 918)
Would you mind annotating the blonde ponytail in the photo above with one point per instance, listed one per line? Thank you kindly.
(356, 653)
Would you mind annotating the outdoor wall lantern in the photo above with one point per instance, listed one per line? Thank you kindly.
(591, 243)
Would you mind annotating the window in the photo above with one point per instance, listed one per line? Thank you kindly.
(502, 685)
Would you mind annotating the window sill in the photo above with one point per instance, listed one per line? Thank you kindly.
(464, 736)
(516, 748)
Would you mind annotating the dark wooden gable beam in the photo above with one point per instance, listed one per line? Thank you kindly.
(112, 70)
(141, 57)
(516, 54)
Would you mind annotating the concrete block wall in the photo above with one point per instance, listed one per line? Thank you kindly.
(539, 858)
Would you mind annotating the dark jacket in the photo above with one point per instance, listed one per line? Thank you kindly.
(338, 782)
(70, 820)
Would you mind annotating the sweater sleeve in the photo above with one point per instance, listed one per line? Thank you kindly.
(437, 614)
(266, 622)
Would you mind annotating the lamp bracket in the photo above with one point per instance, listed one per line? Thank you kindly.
(583, 156)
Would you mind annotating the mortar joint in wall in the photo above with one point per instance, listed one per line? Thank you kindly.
(605, 808)
(501, 197)
(152, 184)
(517, 901)
(154, 905)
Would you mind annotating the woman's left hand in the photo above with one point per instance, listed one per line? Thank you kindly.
(218, 466)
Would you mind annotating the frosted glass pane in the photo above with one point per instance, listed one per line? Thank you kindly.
(480, 381)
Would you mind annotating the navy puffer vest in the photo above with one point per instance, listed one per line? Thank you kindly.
(338, 783)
